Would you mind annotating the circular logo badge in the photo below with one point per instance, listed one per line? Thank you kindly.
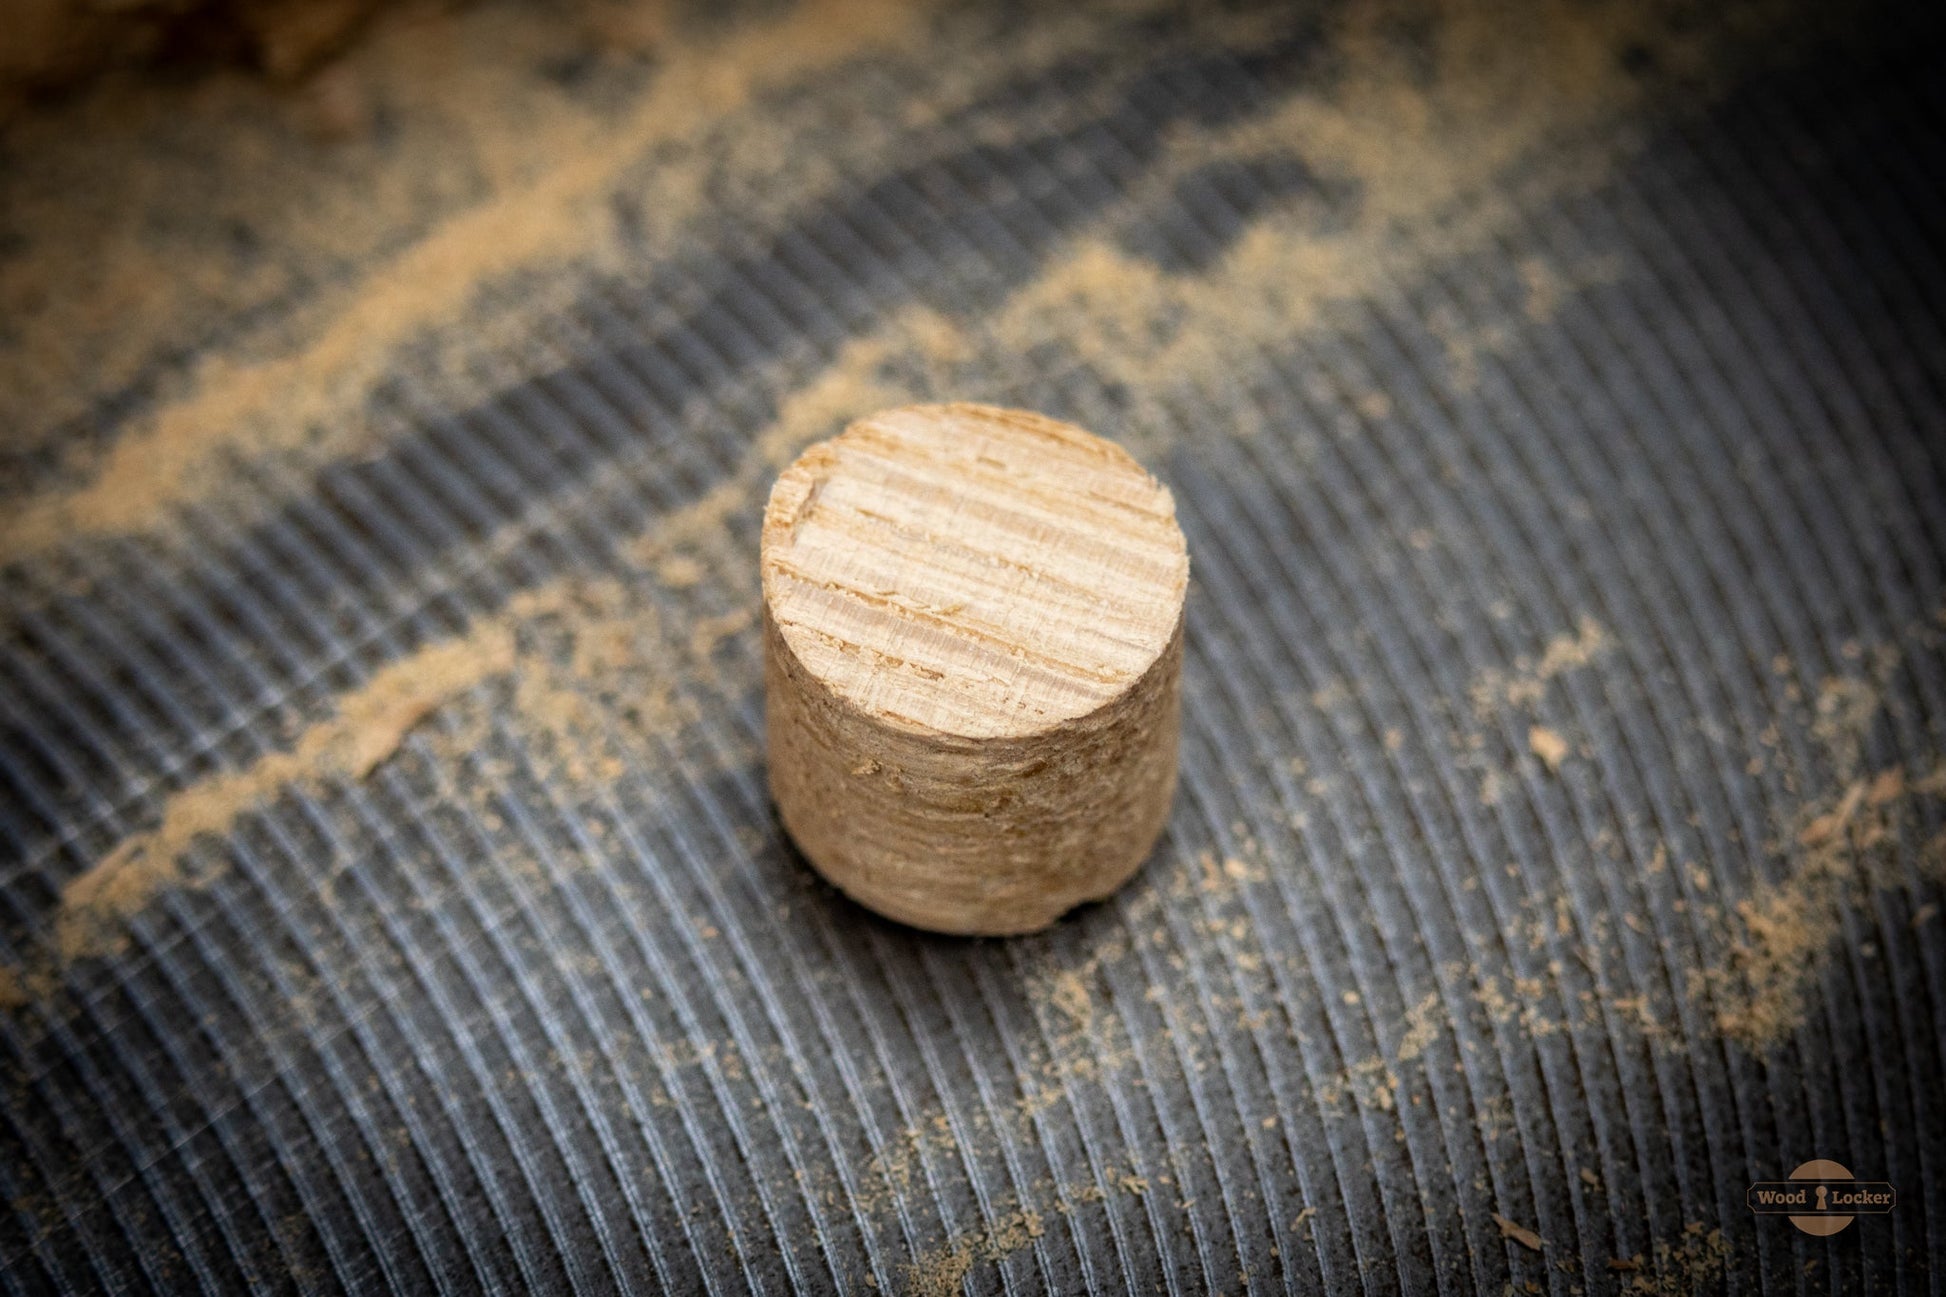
(1821, 1169)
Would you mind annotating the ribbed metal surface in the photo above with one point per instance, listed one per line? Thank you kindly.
(1631, 443)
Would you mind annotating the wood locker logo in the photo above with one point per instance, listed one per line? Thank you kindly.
(1821, 1197)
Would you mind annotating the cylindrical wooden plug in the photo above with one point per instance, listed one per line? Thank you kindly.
(972, 657)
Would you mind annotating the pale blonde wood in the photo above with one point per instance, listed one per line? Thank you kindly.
(973, 648)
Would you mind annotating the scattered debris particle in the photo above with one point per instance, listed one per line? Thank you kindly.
(1827, 827)
(1422, 1025)
(1520, 1234)
(1550, 747)
(1069, 993)
(940, 1273)
(679, 571)
(1526, 684)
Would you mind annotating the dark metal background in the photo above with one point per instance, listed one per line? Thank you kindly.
(471, 1024)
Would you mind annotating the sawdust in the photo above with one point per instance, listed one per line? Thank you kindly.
(1017, 1222)
(1825, 828)
(1782, 934)
(1887, 786)
(1693, 1263)
(711, 631)
(1519, 1001)
(854, 384)
(1415, 147)
(496, 176)
(168, 219)
(592, 666)
(1846, 706)
(1368, 1085)
(678, 571)
(594, 680)
(365, 729)
(1422, 148)
(1526, 684)
(1779, 938)
(464, 114)
(1066, 984)
(1423, 1023)
(941, 1272)
(1068, 992)
(553, 175)
(1549, 746)
(1520, 1234)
